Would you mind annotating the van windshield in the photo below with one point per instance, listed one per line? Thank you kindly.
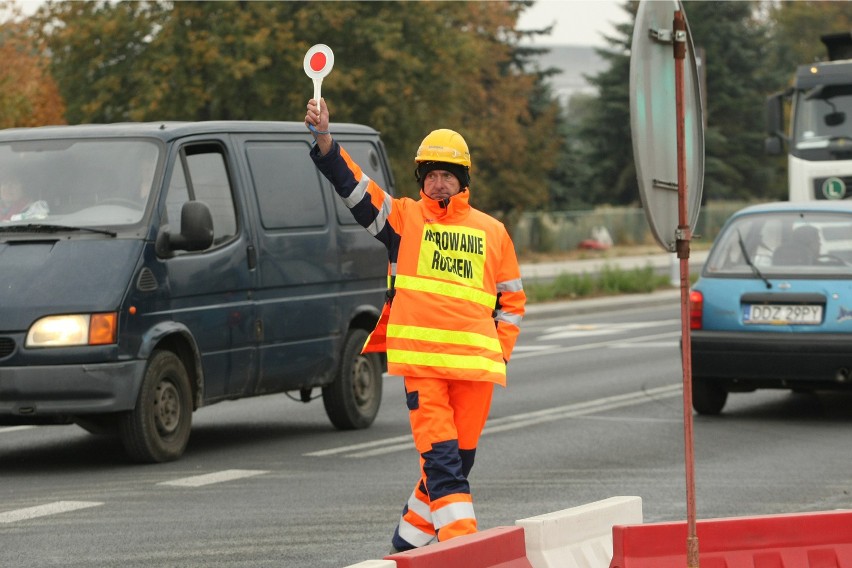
(78, 183)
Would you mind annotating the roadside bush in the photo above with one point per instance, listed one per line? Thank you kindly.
(610, 281)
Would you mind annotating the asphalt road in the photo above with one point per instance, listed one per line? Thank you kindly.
(593, 410)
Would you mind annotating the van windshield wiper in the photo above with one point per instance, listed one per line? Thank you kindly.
(750, 263)
(42, 228)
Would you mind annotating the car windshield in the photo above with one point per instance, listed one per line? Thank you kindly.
(79, 183)
(795, 243)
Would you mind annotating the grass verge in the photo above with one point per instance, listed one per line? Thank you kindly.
(609, 281)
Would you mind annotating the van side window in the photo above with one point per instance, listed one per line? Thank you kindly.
(202, 175)
(366, 156)
(289, 194)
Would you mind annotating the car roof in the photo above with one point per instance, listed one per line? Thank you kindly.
(822, 205)
(168, 131)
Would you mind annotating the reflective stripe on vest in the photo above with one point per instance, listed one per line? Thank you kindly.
(474, 362)
(446, 289)
(445, 336)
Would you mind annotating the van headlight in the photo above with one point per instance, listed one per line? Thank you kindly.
(73, 329)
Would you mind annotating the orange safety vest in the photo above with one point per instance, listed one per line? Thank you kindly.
(456, 300)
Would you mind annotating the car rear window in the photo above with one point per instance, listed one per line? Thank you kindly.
(792, 243)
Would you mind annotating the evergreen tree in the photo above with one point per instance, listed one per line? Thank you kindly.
(733, 41)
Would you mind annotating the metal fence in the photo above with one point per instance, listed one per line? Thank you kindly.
(564, 230)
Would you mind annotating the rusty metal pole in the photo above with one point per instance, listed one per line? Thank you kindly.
(682, 248)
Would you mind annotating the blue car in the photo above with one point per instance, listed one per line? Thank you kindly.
(773, 305)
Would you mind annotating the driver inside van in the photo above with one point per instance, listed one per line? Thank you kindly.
(16, 206)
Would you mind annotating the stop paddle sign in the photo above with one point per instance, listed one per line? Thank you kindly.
(318, 63)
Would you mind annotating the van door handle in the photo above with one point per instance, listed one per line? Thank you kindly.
(251, 255)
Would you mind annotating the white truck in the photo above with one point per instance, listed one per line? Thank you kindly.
(819, 143)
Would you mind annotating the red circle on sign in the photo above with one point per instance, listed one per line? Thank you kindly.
(318, 61)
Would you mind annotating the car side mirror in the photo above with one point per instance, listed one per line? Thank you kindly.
(196, 234)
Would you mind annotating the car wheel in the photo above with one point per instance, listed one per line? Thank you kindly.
(708, 397)
(352, 401)
(157, 430)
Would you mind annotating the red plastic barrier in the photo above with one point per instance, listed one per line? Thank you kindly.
(803, 540)
(500, 547)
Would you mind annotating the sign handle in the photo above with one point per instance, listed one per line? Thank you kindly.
(318, 91)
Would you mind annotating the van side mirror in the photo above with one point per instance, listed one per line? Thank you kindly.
(196, 224)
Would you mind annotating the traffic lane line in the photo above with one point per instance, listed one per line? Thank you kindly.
(595, 345)
(46, 510)
(215, 477)
(515, 421)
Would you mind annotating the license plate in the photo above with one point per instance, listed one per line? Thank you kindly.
(781, 314)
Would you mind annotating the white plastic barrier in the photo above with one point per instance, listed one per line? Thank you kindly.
(374, 564)
(580, 537)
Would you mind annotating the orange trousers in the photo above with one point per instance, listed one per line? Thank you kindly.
(447, 418)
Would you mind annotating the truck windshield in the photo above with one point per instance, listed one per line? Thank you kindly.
(78, 183)
(822, 128)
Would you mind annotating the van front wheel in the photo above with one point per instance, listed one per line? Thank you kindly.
(157, 430)
(352, 400)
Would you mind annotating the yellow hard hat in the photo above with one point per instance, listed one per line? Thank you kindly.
(443, 145)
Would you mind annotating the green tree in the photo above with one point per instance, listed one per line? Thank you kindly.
(28, 94)
(736, 46)
(604, 152)
(797, 27)
(404, 68)
(733, 41)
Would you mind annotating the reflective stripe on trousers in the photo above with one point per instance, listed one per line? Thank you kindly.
(447, 418)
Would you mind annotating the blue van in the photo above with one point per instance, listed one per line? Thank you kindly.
(147, 270)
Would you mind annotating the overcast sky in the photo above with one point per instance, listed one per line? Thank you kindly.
(577, 22)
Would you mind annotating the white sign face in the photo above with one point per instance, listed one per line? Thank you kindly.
(653, 120)
(318, 63)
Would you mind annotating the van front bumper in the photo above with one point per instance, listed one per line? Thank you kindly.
(37, 392)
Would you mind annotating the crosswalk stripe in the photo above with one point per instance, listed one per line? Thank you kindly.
(45, 510)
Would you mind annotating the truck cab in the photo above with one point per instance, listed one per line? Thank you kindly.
(819, 137)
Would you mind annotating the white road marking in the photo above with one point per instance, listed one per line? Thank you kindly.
(45, 510)
(522, 348)
(596, 345)
(216, 477)
(592, 329)
(513, 422)
(644, 344)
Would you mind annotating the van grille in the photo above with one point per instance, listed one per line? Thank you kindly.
(146, 282)
(7, 345)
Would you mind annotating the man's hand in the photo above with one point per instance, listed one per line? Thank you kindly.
(317, 120)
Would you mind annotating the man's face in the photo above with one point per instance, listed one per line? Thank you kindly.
(440, 184)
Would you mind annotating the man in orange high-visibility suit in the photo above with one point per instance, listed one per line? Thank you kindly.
(450, 324)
